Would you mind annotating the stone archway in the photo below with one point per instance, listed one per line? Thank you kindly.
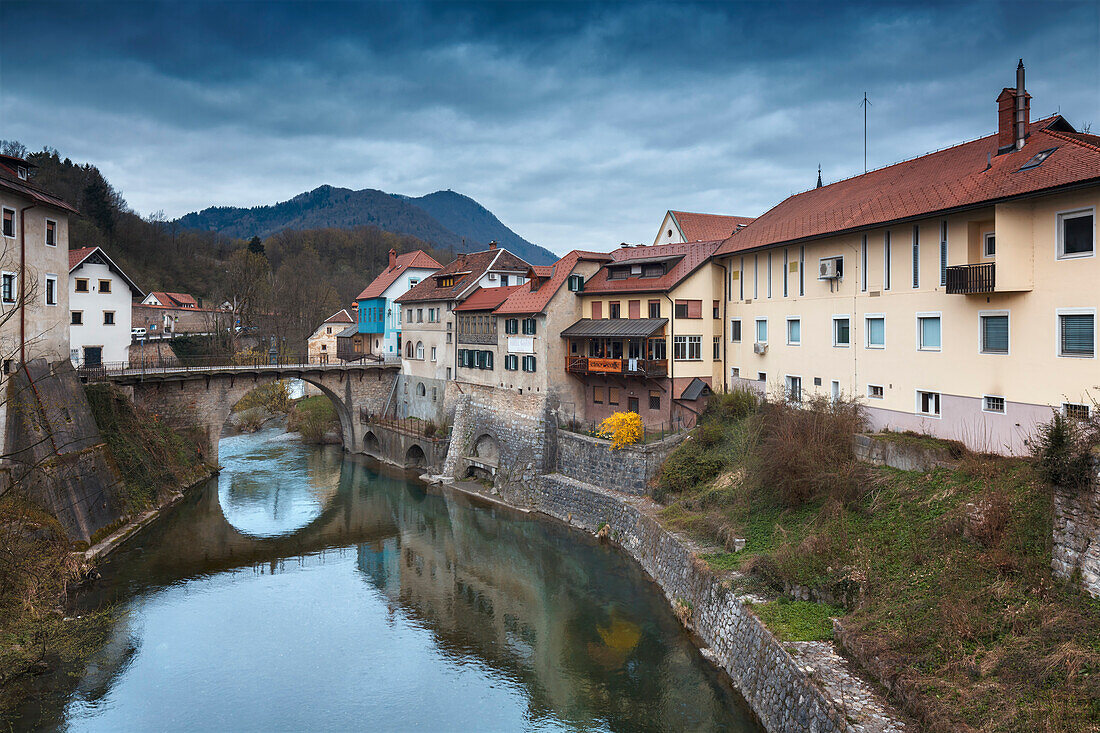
(371, 444)
(487, 449)
(415, 457)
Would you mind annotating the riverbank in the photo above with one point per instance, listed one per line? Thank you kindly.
(792, 687)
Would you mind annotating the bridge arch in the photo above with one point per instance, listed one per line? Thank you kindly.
(415, 457)
(371, 445)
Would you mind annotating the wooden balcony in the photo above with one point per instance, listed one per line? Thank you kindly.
(647, 368)
(971, 279)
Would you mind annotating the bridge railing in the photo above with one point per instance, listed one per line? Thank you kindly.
(206, 363)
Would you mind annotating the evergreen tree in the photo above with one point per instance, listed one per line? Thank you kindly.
(256, 246)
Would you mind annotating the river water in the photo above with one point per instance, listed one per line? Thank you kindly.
(302, 590)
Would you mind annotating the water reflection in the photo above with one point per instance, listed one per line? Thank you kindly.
(329, 596)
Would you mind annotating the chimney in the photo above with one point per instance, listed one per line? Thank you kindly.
(493, 244)
(1013, 113)
(393, 256)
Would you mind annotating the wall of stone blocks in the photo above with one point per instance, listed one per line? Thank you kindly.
(1077, 533)
(628, 470)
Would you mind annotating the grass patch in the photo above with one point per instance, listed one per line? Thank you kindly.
(947, 572)
(798, 620)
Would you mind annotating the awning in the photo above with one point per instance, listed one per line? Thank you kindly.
(615, 328)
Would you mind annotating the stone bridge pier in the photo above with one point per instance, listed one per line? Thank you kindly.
(204, 397)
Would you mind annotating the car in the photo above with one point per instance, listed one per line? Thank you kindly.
(137, 332)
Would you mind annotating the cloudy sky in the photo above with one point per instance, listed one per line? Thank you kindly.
(577, 124)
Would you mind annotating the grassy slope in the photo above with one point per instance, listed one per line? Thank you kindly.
(951, 571)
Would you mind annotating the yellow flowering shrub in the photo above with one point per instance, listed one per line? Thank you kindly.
(622, 429)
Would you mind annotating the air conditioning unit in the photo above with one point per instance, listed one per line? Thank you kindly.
(827, 269)
(492, 276)
(759, 348)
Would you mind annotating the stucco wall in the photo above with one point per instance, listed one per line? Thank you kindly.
(114, 339)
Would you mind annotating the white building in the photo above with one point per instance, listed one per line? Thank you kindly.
(100, 302)
(682, 227)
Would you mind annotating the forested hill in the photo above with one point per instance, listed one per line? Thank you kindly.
(446, 219)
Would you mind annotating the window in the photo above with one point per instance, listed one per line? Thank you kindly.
(433, 353)
(612, 395)
(7, 287)
(412, 282)
(943, 252)
(108, 318)
(632, 404)
(511, 325)
(529, 363)
(657, 349)
(597, 310)
(916, 256)
(994, 333)
(928, 332)
(9, 222)
(597, 395)
(717, 348)
(928, 403)
(842, 331)
(1075, 411)
(409, 315)
(419, 349)
(834, 390)
(51, 233)
(421, 391)
(876, 332)
(681, 309)
(576, 283)
(1076, 234)
(716, 312)
(504, 281)
(863, 264)
(448, 373)
(654, 400)
(613, 309)
(687, 348)
(761, 330)
(529, 326)
(735, 330)
(761, 376)
(448, 335)
(794, 332)
(875, 391)
(886, 261)
(419, 315)
(654, 309)
(989, 244)
(51, 289)
(735, 372)
(81, 285)
(794, 389)
(991, 403)
(511, 362)
(1077, 334)
(77, 318)
(446, 282)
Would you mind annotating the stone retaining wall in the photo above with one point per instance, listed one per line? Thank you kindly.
(906, 456)
(792, 688)
(1077, 534)
(628, 470)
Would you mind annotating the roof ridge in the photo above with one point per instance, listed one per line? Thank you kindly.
(1069, 138)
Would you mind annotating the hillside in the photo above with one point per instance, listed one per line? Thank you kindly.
(444, 219)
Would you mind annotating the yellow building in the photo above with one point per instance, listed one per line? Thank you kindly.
(650, 335)
(956, 293)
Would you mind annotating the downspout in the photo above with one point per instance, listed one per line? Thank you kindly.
(671, 361)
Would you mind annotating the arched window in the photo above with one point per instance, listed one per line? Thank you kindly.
(419, 349)
(420, 391)
(408, 349)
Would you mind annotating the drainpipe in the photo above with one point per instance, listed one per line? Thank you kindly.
(23, 283)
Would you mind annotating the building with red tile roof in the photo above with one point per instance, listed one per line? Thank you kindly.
(101, 298)
(954, 293)
(680, 227)
(164, 299)
(379, 316)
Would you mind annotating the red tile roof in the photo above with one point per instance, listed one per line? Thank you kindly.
(949, 179)
(528, 300)
(340, 316)
(76, 256)
(175, 300)
(467, 269)
(416, 259)
(688, 258)
(10, 180)
(486, 299)
(707, 227)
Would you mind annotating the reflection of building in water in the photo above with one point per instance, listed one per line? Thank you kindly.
(379, 561)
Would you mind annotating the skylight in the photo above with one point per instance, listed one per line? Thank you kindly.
(1037, 159)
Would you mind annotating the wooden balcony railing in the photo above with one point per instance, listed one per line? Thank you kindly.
(626, 367)
(968, 279)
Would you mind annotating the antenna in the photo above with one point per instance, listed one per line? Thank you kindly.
(865, 104)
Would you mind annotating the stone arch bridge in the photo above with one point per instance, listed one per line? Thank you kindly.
(204, 396)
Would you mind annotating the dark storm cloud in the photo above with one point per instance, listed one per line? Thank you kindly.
(578, 124)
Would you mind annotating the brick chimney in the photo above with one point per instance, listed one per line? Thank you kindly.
(393, 257)
(493, 244)
(1013, 114)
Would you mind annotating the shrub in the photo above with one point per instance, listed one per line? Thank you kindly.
(806, 453)
(733, 405)
(622, 429)
(690, 464)
(274, 397)
(1062, 450)
(430, 428)
(313, 417)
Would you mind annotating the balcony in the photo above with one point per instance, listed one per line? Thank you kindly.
(647, 368)
(971, 279)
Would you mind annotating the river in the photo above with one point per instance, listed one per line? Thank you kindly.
(303, 590)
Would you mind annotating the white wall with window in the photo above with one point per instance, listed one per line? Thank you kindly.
(929, 332)
(100, 307)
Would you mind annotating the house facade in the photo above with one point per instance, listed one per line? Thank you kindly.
(379, 319)
(649, 337)
(322, 345)
(429, 353)
(101, 298)
(954, 293)
(680, 227)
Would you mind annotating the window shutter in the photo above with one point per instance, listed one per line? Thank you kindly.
(695, 309)
(597, 310)
(995, 336)
(634, 309)
(1078, 333)
(943, 253)
(488, 360)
